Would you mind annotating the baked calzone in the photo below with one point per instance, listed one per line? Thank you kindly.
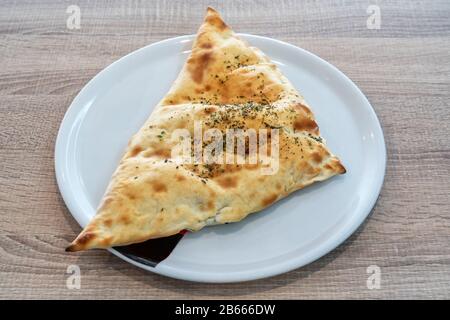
(225, 85)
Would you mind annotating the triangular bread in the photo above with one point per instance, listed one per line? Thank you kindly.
(225, 83)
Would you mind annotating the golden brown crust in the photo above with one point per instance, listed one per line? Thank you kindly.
(225, 84)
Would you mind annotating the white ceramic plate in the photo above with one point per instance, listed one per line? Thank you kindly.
(293, 232)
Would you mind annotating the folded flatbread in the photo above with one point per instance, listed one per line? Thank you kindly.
(224, 84)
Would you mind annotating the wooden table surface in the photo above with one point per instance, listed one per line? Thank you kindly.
(403, 67)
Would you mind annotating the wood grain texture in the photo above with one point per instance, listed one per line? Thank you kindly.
(403, 68)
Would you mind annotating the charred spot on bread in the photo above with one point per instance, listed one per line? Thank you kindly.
(198, 64)
(159, 186)
(135, 151)
(228, 182)
(269, 200)
(306, 124)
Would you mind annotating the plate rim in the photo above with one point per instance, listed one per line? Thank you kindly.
(241, 276)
